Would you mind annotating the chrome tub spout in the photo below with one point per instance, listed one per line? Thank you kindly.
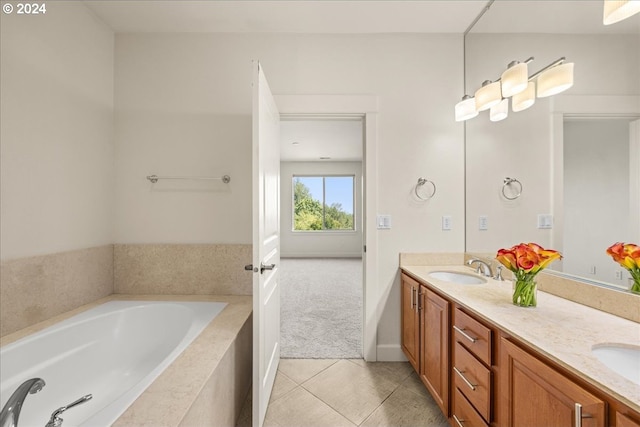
(11, 411)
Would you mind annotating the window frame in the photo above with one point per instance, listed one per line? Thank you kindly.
(323, 201)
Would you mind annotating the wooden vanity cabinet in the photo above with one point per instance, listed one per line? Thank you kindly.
(425, 337)
(480, 376)
(534, 394)
(434, 346)
(410, 320)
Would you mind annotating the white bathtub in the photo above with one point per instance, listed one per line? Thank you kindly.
(113, 351)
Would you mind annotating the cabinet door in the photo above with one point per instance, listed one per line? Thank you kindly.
(410, 320)
(624, 421)
(434, 364)
(533, 394)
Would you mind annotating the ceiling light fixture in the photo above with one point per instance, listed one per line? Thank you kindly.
(618, 10)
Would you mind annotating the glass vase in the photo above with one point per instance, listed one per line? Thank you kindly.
(525, 292)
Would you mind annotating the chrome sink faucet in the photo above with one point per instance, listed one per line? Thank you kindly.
(11, 411)
(483, 267)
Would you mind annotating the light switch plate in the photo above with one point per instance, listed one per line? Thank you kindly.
(446, 222)
(545, 221)
(483, 223)
(384, 222)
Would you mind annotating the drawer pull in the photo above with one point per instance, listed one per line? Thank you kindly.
(464, 334)
(458, 421)
(412, 298)
(467, 382)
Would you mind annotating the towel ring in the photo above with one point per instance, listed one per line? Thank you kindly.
(508, 181)
(421, 182)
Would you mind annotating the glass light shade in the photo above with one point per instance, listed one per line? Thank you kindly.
(555, 80)
(466, 109)
(500, 111)
(488, 95)
(618, 10)
(514, 79)
(525, 99)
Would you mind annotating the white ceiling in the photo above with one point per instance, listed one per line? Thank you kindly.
(356, 16)
(309, 140)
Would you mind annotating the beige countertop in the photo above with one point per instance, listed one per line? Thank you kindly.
(563, 330)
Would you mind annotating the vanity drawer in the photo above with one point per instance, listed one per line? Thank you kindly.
(473, 379)
(463, 413)
(473, 335)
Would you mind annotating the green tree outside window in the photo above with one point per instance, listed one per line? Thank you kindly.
(322, 208)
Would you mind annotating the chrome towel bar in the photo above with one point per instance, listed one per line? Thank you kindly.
(154, 178)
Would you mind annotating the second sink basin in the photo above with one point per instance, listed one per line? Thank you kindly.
(620, 359)
(457, 277)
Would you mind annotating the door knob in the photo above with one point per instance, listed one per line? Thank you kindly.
(249, 267)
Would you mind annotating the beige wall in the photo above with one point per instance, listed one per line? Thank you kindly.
(57, 152)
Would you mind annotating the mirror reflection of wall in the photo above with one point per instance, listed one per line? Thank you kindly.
(597, 188)
(607, 65)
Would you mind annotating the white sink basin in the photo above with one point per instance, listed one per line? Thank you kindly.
(623, 360)
(457, 277)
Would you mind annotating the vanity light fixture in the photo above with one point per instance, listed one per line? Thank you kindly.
(551, 80)
(515, 78)
(555, 78)
(618, 10)
(525, 99)
(500, 111)
(466, 109)
(488, 95)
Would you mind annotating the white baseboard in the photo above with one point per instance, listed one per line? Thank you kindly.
(390, 353)
(321, 255)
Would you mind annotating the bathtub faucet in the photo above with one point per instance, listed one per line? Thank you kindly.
(55, 420)
(11, 411)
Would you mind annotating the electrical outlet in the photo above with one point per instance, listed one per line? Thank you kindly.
(592, 269)
(619, 275)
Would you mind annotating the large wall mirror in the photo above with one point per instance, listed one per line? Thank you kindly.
(575, 155)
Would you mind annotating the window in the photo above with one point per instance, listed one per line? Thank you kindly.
(322, 203)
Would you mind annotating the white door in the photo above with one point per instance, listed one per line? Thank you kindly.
(266, 243)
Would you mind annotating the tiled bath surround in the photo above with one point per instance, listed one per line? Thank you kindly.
(206, 269)
(35, 289)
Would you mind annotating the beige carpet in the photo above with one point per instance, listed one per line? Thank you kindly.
(321, 308)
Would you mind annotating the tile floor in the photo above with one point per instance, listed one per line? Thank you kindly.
(347, 392)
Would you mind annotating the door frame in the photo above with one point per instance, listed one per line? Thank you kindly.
(367, 107)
